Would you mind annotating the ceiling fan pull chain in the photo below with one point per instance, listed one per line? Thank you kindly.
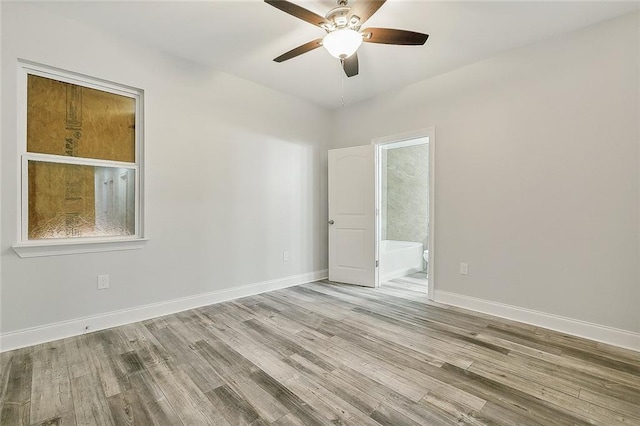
(342, 82)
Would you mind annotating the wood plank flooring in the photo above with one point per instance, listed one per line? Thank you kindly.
(319, 354)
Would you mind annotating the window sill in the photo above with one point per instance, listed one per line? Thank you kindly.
(60, 248)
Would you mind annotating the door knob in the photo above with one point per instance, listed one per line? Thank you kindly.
(331, 222)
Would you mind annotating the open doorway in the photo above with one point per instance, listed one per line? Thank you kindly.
(404, 210)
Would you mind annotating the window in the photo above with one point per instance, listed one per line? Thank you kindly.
(81, 149)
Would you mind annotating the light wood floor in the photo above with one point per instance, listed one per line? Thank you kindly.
(322, 353)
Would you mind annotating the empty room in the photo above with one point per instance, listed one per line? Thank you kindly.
(320, 212)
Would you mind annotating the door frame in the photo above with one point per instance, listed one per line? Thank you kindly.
(430, 133)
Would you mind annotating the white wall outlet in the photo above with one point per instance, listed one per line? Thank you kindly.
(464, 268)
(103, 282)
(285, 256)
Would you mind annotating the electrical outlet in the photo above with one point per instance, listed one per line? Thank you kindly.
(103, 282)
(464, 268)
(285, 256)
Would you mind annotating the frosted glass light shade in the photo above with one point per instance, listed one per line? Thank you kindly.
(342, 43)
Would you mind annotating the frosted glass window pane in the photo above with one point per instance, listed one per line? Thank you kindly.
(69, 201)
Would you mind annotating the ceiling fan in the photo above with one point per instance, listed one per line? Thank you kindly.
(344, 34)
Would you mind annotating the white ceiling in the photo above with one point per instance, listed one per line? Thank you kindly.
(242, 37)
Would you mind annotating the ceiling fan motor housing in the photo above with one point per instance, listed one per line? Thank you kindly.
(338, 17)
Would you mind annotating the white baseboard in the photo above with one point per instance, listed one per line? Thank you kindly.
(600, 333)
(47, 333)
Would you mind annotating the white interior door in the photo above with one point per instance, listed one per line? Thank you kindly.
(352, 256)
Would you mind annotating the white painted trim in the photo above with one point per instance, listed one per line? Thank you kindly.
(405, 143)
(35, 335)
(431, 264)
(72, 77)
(399, 137)
(85, 245)
(25, 247)
(575, 327)
(377, 199)
(78, 161)
(406, 139)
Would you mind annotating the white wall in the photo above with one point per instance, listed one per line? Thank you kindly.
(235, 175)
(537, 184)
(537, 172)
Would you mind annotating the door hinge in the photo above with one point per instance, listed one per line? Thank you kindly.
(377, 263)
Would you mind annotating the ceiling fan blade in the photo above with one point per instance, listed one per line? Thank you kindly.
(299, 50)
(350, 65)
(364, 9)
(297, 11)
(391, 36)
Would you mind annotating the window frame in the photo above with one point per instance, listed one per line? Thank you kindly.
(60, 246)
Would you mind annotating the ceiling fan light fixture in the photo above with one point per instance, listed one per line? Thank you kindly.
(342, 42)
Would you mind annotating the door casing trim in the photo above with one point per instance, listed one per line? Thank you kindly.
(429, 132)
